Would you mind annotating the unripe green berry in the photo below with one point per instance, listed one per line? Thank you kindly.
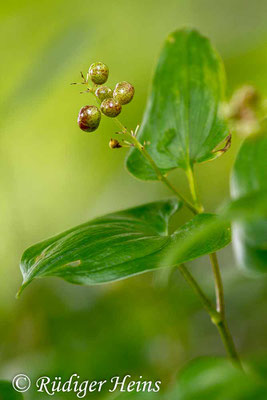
(110, 107)
(89, 118)
(123, 92)
(103, 92)
(98, 73)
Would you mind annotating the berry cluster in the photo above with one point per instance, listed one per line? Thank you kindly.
(111, 101)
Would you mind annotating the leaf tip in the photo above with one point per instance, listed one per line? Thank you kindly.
(19, 293)
(22, 287)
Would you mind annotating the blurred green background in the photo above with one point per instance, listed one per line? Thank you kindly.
(54, 176)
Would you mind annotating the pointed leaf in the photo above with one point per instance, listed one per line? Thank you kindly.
(105, 249)
(182, 121)
(119, 245)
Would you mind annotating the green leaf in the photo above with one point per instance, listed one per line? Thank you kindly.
(182, 121)
(105, 249)
(8, 393)
(249, 178)
(117, 246)
(216, 379)
(248, 207)
(243, 210)
(204, 234)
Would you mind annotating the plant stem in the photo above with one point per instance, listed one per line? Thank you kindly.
(199, 292)
(220, 320)
(216, 317)
(228, 342)
(158, 172)
(213, 256)
(193, 190)
(218, 284)
(132, 139)
(222, 325)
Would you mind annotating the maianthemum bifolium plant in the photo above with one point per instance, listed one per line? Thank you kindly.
(187, 121)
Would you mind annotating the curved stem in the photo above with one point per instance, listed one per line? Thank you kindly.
(158, 172)
(132, 139)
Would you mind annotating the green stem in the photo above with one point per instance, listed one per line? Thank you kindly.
(220, 322)
(193, 189)
(228, 342)
(216, 317)
(132, 139)
(213, 256)
(199, 292)
(218, 284)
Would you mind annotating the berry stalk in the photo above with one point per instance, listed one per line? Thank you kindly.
(132, 139)
(111, 103)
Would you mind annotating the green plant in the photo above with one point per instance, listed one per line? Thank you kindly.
(7, 391)
(185, 122)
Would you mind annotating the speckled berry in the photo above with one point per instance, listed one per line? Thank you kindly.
(103, 92)
(89, 118)
(110, 107)
(123, 92)
(98, 73)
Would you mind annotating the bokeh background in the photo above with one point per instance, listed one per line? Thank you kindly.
(54, 176)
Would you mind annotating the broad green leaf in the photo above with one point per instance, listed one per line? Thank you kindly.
(250, 177)
(117, 246)
(105, 249)
(182, 123)
(216, 379)
(8, 393)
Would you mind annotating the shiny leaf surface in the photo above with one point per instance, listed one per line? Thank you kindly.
(182, 123)
(119, 245)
